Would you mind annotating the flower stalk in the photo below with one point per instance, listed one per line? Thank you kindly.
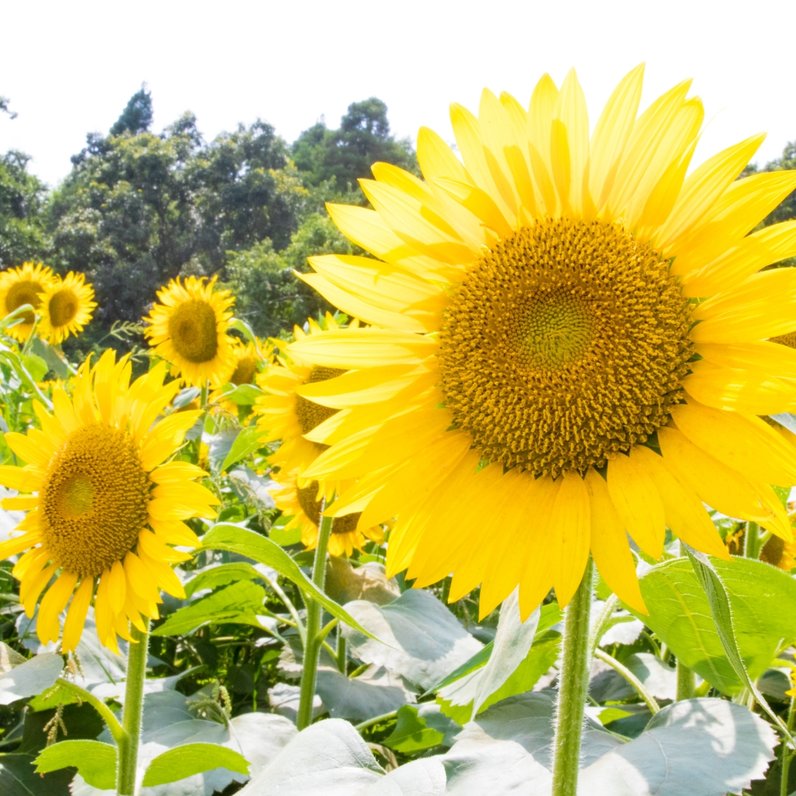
(128, 744)
(313, 637)
(572, 689)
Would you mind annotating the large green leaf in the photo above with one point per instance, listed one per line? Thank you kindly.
(239, 603)
(763, 603)
(20, 680)
(519, 655)
(328, 757)
(417, 637)
(19, 778)
(192, 758)
(244, 542)
(374, 693)
(95, 761)
(700, 746)
(220, 575)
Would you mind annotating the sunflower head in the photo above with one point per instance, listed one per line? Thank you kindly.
(67, 306)
(104, 502)
(189, 328)
(284, 414)
(22, 285)
(569, 344)
(304, 506)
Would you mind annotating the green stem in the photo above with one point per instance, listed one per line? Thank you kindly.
(686, 681)
(106, 714)
(133, 713)
(572, 689)
(751, 541)
(314, 638)
(630, 678)
(787, 754)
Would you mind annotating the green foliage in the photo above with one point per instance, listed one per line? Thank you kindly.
(22, 233)
(340, 157)
(270, 297)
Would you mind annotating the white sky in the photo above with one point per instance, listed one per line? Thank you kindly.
(70, 66)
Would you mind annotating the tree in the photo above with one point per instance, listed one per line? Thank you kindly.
(269, 296)
(22, 234)
(137, 115)
(786, 209)
(340, 157)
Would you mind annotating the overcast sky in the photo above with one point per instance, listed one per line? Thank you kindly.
(69, 67)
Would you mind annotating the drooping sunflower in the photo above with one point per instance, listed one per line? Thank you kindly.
(24, 285)
(104, 503)
(573, 347)
(67, 306)
(189, 329)
(288, 418)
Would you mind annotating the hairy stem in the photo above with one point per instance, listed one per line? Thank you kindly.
(572, 689)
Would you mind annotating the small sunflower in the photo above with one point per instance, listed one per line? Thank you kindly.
(67, 306)
(248, 363)
(24, 285)
(303, 505)
(189, 329)
(571, 344)
(287, 417)
(104, 504)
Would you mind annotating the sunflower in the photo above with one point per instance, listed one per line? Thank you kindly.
(303, 505)
(67, 305)
(24, 285)
(285, 416)
(248, 362)
(573, 345)
(103, 503)
(189, 329)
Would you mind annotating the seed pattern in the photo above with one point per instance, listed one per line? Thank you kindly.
(565, 344)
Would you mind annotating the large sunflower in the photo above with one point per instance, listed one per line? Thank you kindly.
(103, 502)
(189, 329)
(67, 305)
(24, 285)
(573, 344)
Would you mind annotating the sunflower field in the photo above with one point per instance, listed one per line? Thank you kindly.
(509, 512)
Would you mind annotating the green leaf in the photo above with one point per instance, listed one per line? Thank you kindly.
(327, 757)
(18, 778)
(252, 545)
(221, 574)
(416, 636)
(411, 733)
(246, 443)
(525, 652)
(700, 746)
(720, 608)
(95, 761)
(762, 600)
(240, 603)
(29, 678)
(193, 758)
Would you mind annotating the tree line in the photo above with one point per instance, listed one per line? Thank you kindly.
(139, 208)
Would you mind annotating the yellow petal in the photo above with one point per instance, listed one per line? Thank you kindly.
(76, 616)
(610, 546)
